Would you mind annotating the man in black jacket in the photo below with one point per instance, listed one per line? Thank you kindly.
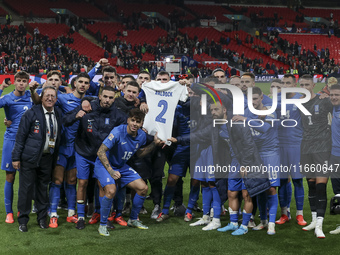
(129, 100)
(35, 154)
(93, 128)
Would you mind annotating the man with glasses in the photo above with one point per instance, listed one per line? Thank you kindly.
(35, 154)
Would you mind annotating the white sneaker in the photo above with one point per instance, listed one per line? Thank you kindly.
(271, 228)
(336, 231)
(202, 221)
(318, 232)
(214, 224)
(155, 212)
(311, 226)
(212, 213)
(261, 226)
(251, 223)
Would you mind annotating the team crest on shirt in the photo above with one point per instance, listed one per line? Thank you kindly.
(316, 109)
(111, 136)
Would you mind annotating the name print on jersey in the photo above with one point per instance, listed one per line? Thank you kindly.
(163, 93)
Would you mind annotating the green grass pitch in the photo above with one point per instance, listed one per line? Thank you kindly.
(171, 237)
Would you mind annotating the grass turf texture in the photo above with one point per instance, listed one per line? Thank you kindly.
(173, 236)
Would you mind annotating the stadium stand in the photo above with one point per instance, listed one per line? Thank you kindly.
(321, 41)
(2, 12)
(206, 11)
(165, 10)
(42, 9)
(133, 36)
(81, 44)
(213, 34)
(319, 12)
(284, 16)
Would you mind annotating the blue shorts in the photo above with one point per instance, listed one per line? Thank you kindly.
(84, 167)
(203, 171)
(271, 165)
(180, 161)
(290, 160)
(128, 174)
(66, 157)
(235, 182)
(6, 162)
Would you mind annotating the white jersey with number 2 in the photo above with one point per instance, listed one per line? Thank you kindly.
(162, 99)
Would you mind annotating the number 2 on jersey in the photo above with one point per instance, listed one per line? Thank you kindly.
(159, 117)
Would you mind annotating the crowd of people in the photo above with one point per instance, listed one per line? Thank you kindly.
(40, 54)
(310, 61)
(115, 136)
(33, 54)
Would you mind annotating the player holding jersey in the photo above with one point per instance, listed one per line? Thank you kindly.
(112, 170)
(15, 104)
(180, 160)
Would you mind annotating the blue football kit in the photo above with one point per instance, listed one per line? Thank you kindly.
(122, 147)
(14, 108)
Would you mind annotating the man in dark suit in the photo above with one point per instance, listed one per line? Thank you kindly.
(35, 153)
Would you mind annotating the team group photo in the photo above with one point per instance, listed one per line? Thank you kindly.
(165, 127)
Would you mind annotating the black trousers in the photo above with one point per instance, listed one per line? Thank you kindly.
(178, 195)
(334, 162)
(158, 162)
(30, 180)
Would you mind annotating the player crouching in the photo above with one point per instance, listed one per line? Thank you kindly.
(111, 169)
